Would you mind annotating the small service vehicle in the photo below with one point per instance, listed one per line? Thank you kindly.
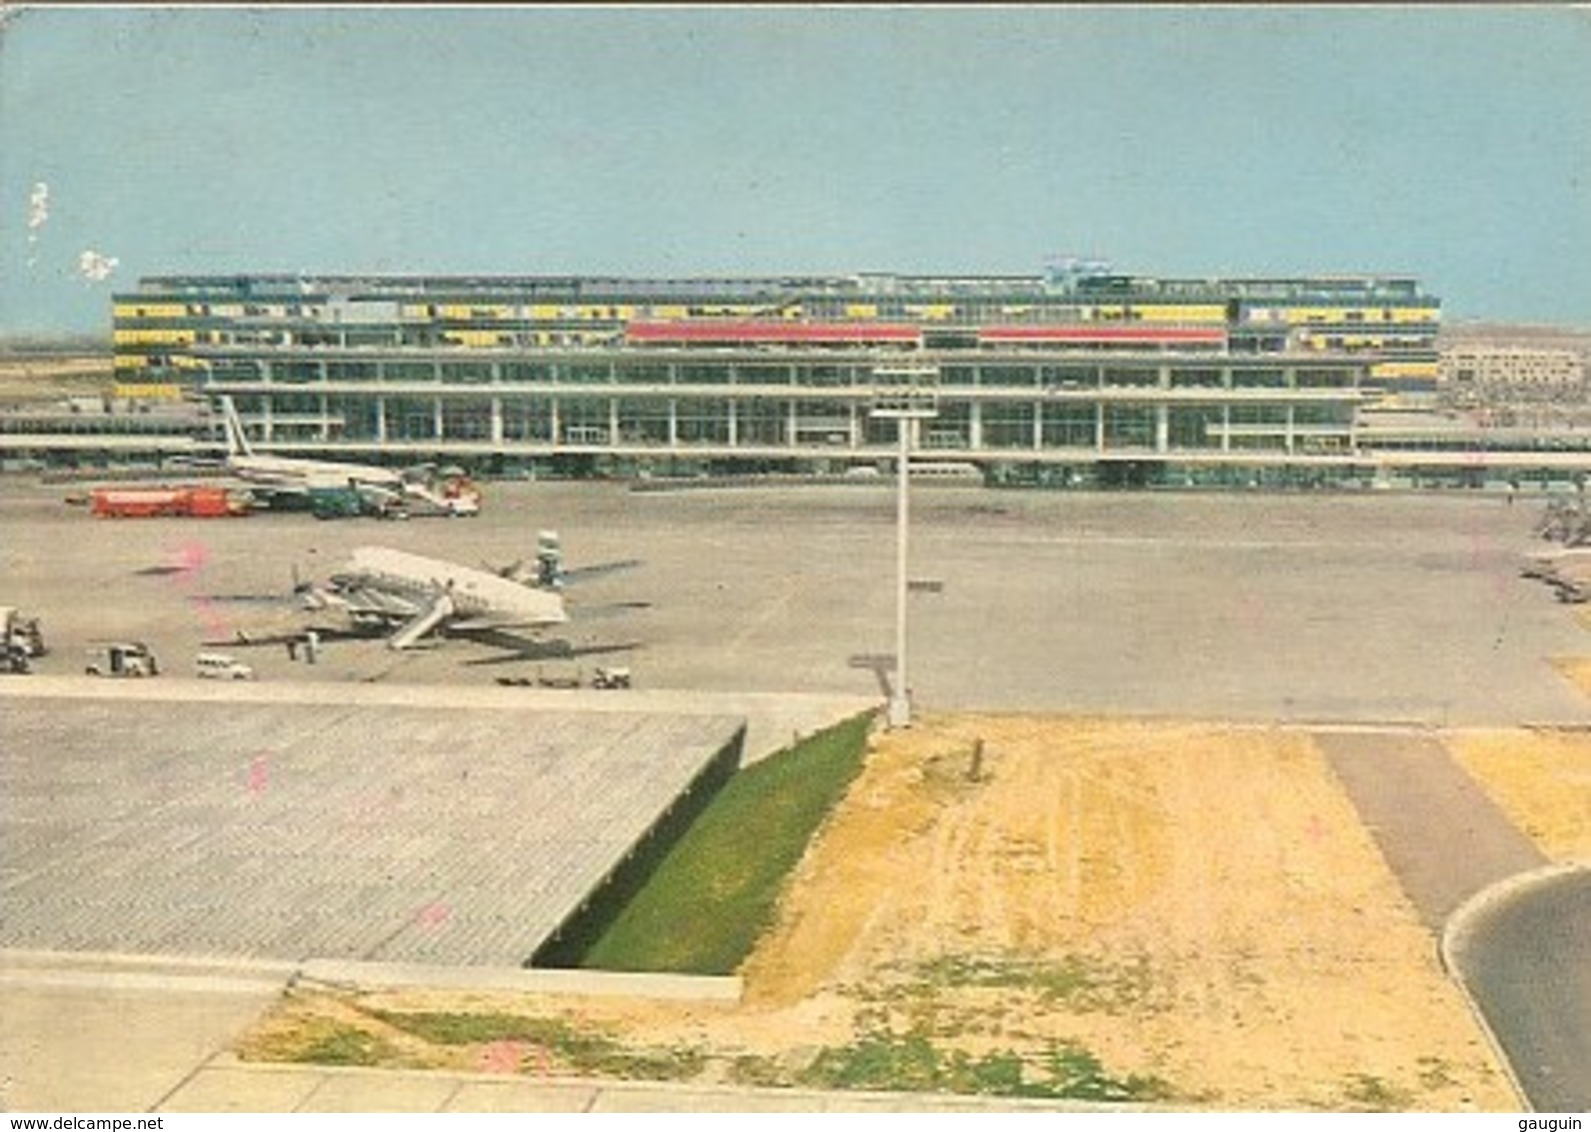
(122, 658)
(220, 666)
(463, 506)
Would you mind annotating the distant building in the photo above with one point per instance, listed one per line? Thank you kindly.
(1492, 371)
(1076, 366)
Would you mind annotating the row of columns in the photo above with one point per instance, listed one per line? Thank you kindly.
(862, 373)
(853, 429)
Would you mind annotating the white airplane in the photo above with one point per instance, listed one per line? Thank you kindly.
(285, 474)
(386, 588)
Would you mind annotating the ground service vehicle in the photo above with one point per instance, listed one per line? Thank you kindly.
(122, 658)
(19, 632)
(219, 666)
(163, 502)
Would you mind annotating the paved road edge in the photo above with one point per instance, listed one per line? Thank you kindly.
(1457, 927)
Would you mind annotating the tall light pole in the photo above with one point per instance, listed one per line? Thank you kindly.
(905, 394)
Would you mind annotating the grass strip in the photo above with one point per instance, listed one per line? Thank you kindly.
(714, 893)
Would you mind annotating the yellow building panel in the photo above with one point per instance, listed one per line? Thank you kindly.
(162, 391)
(861, 310)
(669, 312)
(151, 310)
(1414, 314)
(131, 361)
(543, 312)
(1403, 369)
(153, 337)
(1181, 312)
(931, 312)
(1317, 315)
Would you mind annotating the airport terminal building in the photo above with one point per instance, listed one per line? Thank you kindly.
(1076, 373)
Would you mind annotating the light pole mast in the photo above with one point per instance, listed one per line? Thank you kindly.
(905, 394)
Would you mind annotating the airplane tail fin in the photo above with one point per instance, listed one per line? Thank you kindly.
(549, 561)
(237, 443)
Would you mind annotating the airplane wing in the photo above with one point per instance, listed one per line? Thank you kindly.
(364, 602)
(283, 489)
(436, 611)
(607, 610)
(519, 571)
(345, 479)
(598, 570)
(274, 638)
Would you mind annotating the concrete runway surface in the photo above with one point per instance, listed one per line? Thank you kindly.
(1270, 607)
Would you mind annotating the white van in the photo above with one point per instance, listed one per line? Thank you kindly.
(219, 666)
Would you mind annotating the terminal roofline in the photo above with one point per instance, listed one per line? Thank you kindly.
(868, 283)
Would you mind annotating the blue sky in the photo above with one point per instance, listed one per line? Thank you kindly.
(1450, 143)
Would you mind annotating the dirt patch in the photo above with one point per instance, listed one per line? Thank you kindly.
(1188, 914)
(42, 378)
(1540, 779)
(1236, 930)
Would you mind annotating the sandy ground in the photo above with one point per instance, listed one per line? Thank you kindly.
(1188, 902)
(1541, 780)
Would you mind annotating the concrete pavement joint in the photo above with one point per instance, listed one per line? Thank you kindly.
(320, 1078)
(187, 1078)
(447, 1101)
